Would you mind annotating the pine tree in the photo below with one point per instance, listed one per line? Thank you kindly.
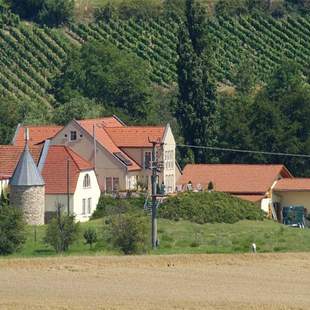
(196, 107)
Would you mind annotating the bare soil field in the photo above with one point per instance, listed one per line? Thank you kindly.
(262, 281)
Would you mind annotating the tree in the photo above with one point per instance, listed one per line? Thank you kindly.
(279, 118)
(56, 12)
(27, 9)
(12, 229)
(77, 108)
(61, 232)
(14, 111)
(116, 79)
(90, 236)
(47, 12)
(128, 232)
(196, 106)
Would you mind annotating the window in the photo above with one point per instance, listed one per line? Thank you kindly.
(89, 206)
(115, 184)
(169, 159)
(84, 206)
(86, 181)
(147, 160)
(73, 135)
(108, 185)
(112, 184)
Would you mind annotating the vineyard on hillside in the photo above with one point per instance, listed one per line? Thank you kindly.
(263, 39)
(31, 56)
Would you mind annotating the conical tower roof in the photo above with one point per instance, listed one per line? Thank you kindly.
(26, 172)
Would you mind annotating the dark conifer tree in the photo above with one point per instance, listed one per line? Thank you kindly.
(196, 106)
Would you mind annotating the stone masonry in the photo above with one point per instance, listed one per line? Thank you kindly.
(31, 200)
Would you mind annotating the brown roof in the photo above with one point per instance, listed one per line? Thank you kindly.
(296, 184)
(55, 169)
(235, 178)
(37, 134)
(9, 157)
(134, 136)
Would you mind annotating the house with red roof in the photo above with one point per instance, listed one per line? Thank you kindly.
(271, 187)
(121, 154)
(70, 180)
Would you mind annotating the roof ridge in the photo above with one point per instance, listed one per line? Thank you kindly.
(43, 125)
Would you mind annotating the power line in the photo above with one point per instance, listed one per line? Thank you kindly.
(243, 151)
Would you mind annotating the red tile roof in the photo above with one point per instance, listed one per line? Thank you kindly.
(252, 198)
(55, 169)
(107, 122)
(9, 157)
(296, 184)
(37, 134)
(4, 177)
(234, 178)
(135, 136)
(105, 140)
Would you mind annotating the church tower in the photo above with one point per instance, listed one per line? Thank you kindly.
(27, 189)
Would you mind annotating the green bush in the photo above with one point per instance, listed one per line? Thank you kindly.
(90, 236)
(209, 207)
(108, 205)
(12, 230)
(61, 232)
(128, 232)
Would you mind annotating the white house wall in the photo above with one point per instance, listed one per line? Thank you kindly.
(169, 172)
(3, 185)
(81, 193)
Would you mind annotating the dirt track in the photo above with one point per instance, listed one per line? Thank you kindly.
(280, 281)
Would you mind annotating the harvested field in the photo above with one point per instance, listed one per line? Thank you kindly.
(262, 281)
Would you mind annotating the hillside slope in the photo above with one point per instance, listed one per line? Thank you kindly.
(31, 56)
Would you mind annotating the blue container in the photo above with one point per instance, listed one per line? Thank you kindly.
(293, 215)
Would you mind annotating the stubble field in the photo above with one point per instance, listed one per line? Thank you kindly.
(245, 281)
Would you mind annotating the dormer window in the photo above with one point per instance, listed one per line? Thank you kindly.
(73, 136)
(86, 181)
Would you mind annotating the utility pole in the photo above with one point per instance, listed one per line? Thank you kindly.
(155, 168)
(68, 186)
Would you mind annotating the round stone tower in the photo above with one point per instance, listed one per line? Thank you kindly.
(27, 189)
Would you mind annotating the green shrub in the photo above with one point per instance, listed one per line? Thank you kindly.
(90, 236)
(61, 232)
(128, 232)
(108, 205)
(195, 244)
(12, 230)
(209, 207)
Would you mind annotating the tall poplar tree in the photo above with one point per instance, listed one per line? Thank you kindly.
(196, 106)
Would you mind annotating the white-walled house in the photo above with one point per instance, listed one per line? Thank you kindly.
(69, 177)
(123, 153)
(78, 183)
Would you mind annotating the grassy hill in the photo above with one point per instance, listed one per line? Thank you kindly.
(32, 56)
(186, 237)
